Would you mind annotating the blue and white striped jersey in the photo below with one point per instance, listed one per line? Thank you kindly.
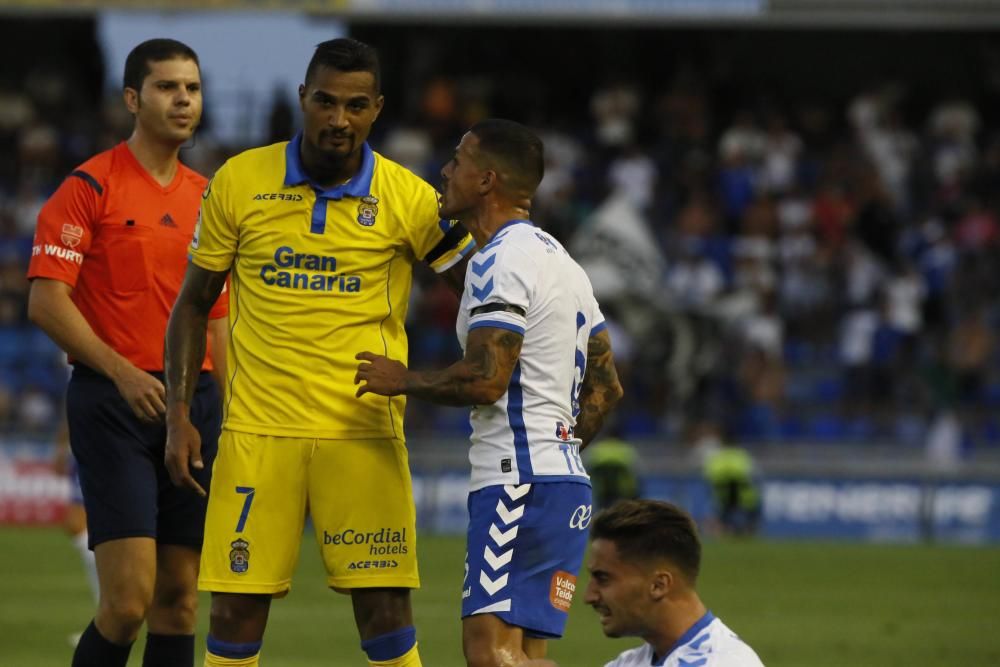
(708, 643)
(527, 436)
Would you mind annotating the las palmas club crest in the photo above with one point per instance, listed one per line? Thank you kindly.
(367, 210)
(239, 557)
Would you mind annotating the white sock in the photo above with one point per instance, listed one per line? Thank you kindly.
(89, 564)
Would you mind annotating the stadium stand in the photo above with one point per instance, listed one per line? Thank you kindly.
(797, 269)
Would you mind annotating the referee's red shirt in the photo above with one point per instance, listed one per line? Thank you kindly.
(120, 239)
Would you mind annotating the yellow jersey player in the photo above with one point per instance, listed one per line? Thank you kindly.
(319, 236)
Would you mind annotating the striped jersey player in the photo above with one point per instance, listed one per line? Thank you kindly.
(644, 562)
(539, 375)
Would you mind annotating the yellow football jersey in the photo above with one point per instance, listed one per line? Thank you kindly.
(318, 275)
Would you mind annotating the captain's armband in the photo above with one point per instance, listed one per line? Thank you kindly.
(498, 308)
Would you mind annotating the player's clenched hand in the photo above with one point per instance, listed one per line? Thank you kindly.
(381, 375)
(144, 393)
(183, 453)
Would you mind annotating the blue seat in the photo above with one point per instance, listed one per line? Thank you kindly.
(860, 429)
(827, 427)
(910, 429)
(990, 432)
(12, 346)
(828, 389)
(796, 353)
(791, 428)
(452, 421)
(798, 389)
(40, 346)
(638, 424)
(991, 395)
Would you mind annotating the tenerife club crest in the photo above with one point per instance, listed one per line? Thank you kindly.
(367, 210)
(239, 557)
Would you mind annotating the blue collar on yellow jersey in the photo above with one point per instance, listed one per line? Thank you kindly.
(360, 184)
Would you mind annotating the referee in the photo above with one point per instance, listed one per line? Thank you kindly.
(108, 259)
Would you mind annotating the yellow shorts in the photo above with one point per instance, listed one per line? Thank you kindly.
(358, 493)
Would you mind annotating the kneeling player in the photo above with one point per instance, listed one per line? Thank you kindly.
(539, 373)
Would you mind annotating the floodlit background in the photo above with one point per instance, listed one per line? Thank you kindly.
(788, 208)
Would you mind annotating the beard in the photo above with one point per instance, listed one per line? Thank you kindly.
(335, 152)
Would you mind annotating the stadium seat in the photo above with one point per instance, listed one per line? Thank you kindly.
(826, 428)
(796, 353)
(910, 429)
(792, 428)
(40, 346)
(989, 432)
(860, 429)
(827, 390)
(12, 346)
(991, 395)
(639, 424)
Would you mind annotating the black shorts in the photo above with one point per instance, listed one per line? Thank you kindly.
(127, 491)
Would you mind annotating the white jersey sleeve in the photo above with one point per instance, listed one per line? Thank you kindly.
(510, 284)
(523, 280)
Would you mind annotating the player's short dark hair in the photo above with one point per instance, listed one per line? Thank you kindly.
(137, 64)
(346, 55)
(513, 150)
(649, 530)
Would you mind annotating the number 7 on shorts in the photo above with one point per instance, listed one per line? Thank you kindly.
(248, 491)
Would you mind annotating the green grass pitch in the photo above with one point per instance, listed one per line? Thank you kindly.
(798, 604)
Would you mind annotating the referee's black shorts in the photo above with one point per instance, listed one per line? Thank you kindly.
(127, 491)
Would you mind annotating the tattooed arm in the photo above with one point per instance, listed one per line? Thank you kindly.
(183, 355)
(601, 389)
(480, 378)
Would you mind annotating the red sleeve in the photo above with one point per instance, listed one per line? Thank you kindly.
(221, 307)
(65, 229)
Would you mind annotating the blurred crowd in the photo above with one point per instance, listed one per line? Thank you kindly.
(773, 272)
(787, 271)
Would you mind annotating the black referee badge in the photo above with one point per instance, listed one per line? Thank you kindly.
(367, 210)
(239, 557)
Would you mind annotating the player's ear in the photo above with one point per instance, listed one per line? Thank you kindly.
(661, 583)
(302, 96)
(379, 103)
(488, 180)
(131, 99)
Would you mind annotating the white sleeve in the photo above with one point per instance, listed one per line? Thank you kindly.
(504, 277)
(598, 319)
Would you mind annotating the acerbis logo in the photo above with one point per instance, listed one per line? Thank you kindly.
(372, 564)
(581, 517)
(282, 196)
